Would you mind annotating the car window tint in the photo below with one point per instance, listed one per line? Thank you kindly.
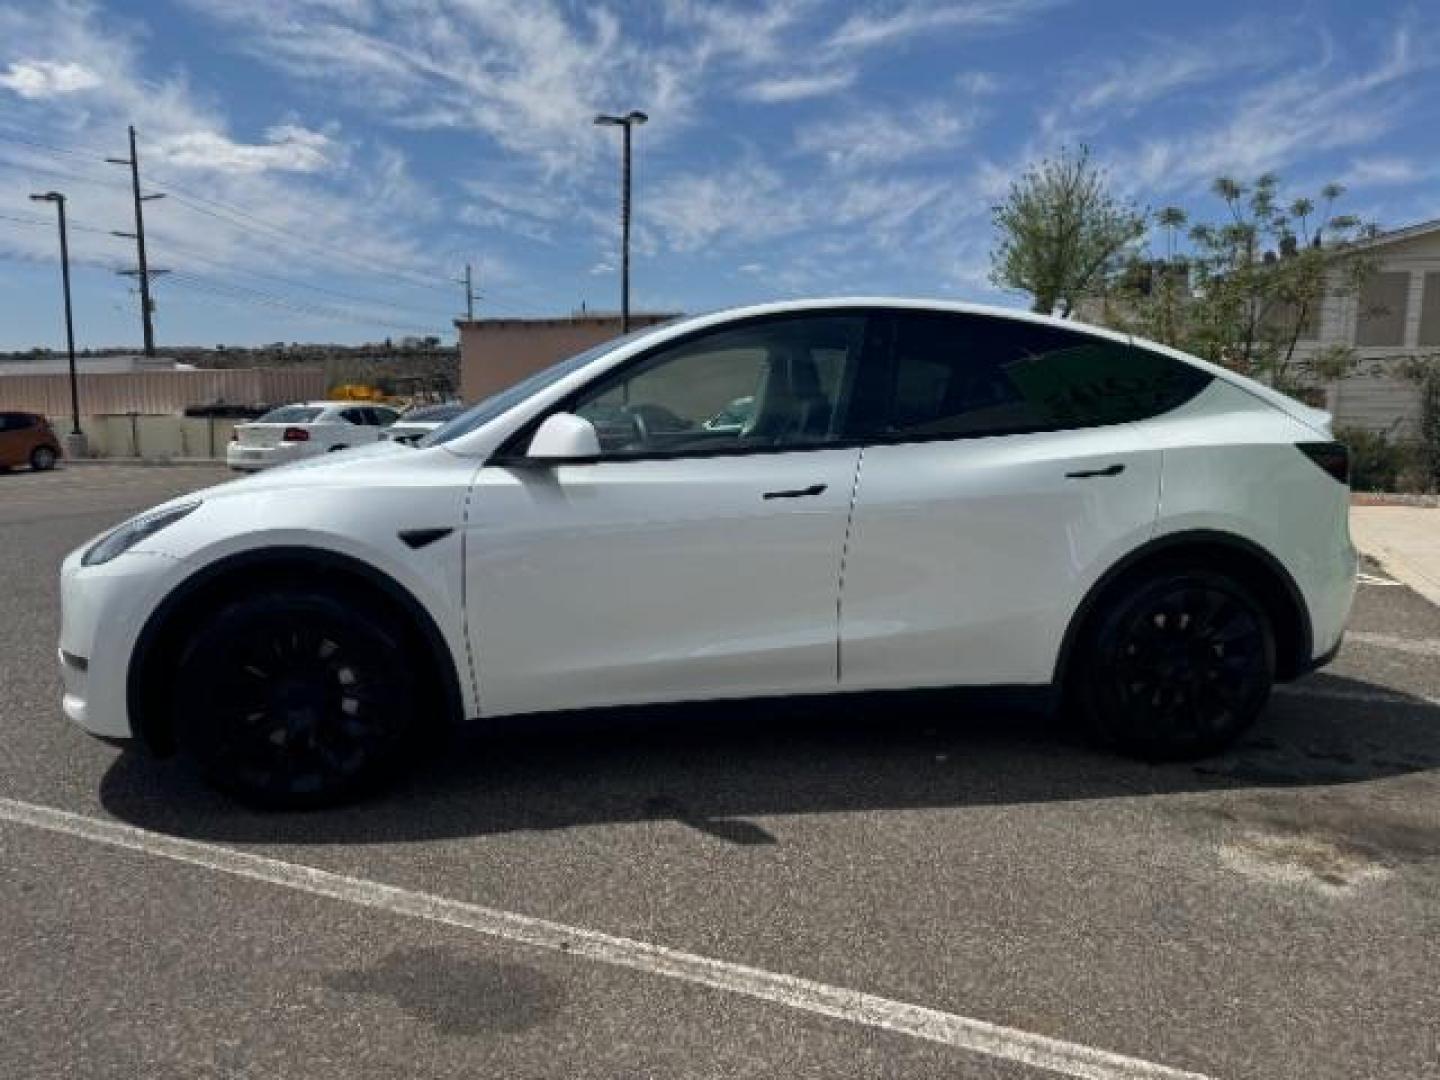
(959, 375)
(384, 417)
(354, 416)
(764, 385)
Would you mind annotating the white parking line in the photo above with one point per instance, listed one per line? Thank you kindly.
(1414, 646)
(853, 1006)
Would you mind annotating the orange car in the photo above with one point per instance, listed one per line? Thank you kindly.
(26, 439)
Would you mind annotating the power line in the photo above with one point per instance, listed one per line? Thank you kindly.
(250, 224)
(5, 136)
(245, 294)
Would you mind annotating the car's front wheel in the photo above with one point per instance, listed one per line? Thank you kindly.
(1177, 665)
(42, 459)
(295, 699)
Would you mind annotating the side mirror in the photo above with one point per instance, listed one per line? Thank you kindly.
(563, 437)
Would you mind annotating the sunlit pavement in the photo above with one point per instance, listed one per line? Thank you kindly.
(1271, 913)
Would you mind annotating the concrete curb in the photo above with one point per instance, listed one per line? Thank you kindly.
(135, 461)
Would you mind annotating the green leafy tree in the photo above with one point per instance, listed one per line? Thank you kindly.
(1243, 290)
(1061, 233)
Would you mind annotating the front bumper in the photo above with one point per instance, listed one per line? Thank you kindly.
(103, 609)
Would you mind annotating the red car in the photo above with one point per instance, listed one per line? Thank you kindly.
(27, 439)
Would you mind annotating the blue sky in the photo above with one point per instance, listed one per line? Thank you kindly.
(331, 164)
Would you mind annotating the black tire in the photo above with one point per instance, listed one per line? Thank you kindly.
(296, 699)
(1176, 665)
(339, 446)
(43, 458)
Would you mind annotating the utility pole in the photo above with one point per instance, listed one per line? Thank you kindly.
(147, 308)
(469, 294)
(630, 120)
(75, 443)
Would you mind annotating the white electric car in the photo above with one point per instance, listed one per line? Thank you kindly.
(920, 494)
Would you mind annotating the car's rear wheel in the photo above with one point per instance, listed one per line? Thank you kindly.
(42, 458)
(295, 699)
(1176, 666)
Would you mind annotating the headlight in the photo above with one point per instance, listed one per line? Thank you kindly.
(118, 541)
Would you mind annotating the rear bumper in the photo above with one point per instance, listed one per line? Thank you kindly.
(253, 458)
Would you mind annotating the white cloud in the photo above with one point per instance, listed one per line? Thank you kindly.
(896, 22)
(291, 148)
(36, 79)
(884, 138)
(527, 75)
(798, 87)
(1303, 112)
(290, 202)
(1386, 172)
(746, 203)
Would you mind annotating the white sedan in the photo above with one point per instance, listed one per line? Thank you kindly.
(918, 494)
(292, 432)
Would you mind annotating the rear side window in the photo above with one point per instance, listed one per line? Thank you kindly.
(969, 375)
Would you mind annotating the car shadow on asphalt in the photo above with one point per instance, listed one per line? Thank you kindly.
(714, 767)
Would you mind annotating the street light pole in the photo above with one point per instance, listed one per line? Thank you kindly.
(59, 201)
(626, 122)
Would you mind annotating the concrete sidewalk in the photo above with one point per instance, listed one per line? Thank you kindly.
(1403, 539)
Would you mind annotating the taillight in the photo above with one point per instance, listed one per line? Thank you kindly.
(295, 434)
(1333, 457)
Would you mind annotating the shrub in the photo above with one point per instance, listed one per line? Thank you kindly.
(1375, 461)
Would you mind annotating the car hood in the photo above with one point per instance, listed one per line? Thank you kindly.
(343, 468)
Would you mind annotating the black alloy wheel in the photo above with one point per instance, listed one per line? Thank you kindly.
(295, 699)
(1178, 666)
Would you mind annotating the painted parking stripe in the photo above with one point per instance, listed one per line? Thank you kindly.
(1395, 643)
(805, 995)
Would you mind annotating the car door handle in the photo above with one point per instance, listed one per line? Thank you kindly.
(797, 493)
(1086, 474)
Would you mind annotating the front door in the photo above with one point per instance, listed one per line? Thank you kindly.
(699, 556)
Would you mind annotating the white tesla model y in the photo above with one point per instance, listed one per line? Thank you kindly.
(901, 495)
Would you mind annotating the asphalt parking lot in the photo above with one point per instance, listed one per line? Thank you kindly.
(1015, 906)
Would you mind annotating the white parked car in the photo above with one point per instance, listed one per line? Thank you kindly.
(921, 494)
(415, 424)
(292, 432)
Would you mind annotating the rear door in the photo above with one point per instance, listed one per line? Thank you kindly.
(1003, 475)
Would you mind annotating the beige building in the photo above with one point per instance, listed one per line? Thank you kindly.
(1395, 316)
(496, 353)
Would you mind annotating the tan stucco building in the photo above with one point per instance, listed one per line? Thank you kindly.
(1396, 316)
(496, 353)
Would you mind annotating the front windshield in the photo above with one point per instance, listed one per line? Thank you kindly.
(502, 402)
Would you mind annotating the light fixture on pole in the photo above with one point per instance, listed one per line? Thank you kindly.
(625, 123)
(75, 443)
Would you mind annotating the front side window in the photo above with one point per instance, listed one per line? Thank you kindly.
(770, 384)
(969, 375)
(355, 416)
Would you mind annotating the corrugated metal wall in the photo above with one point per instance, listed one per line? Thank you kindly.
(160, 393)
